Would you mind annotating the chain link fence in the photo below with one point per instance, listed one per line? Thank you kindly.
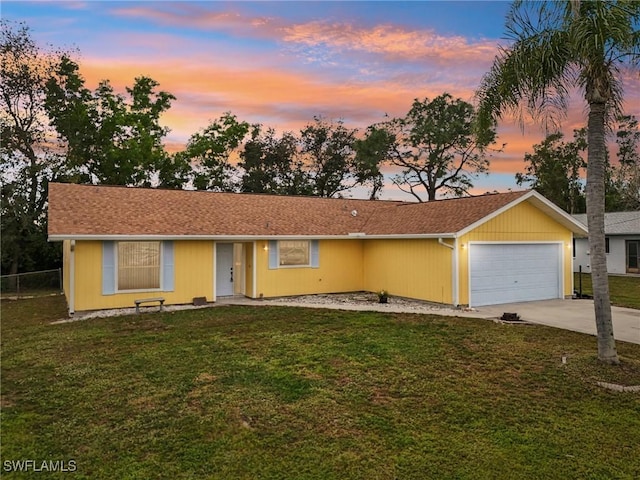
(45, 282)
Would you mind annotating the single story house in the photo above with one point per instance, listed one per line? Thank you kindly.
(622, 243)
(124, 244)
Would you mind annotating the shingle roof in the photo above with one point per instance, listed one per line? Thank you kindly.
(617, 223)
(88, 210)
(441, 216)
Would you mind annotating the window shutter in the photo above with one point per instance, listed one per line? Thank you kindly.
(315, 254)
(108, 268)
(273, 254)
(167, 267)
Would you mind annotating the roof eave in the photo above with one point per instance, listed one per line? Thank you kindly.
(562, 217)
(243, 238)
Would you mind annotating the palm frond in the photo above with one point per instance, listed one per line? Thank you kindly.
(532, 78)
(557, 46)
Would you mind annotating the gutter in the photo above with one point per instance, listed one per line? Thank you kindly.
(249, 238)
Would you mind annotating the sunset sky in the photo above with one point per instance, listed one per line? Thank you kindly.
(281, 63)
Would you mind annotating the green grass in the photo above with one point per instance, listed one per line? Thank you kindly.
(287, 393)
(624, 290)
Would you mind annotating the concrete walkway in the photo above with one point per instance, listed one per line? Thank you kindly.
(575, 315)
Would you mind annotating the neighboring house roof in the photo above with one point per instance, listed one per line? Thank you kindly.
(89, 211)
(616, 223)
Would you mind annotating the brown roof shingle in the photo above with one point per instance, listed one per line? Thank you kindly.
(88, 210)
(440, 216)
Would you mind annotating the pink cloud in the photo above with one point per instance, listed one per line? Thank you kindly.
(394, 43)
(391, 41)
(194, 16)
(209, 88)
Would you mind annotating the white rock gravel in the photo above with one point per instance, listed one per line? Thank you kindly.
(118, 312)
(368, 302)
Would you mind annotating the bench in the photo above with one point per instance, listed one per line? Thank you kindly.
(148, 300)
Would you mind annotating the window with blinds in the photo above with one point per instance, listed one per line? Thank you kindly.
(293, 252)
(138, 265)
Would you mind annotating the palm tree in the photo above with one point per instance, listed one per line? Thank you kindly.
(559, 47)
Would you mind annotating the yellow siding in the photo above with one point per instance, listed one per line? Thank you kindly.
(66, 259)
(248, 270)
(193, 262)
(522, 223)
(239, 283)
(194, 271)
(418, 269)
(340, 270)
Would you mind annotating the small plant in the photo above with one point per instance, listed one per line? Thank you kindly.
(383, 296)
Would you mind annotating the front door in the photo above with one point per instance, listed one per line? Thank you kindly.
(224, 269)
(633, 252)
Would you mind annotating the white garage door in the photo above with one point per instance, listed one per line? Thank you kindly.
(505, 273)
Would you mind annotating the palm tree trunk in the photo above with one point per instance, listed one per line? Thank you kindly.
(596, 158)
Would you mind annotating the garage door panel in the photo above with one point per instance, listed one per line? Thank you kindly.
(505, 273)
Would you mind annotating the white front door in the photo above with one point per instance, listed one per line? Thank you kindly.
(224, 269)
(520, 272)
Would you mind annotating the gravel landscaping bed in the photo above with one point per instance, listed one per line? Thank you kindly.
(117, 312)
(367, 301)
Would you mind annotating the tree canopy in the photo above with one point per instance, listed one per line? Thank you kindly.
(437, 148)
(30, 154)
(325, 159)
(209, 151)
(271, 165)
(110, 139)
(625, 176)
(554, 170)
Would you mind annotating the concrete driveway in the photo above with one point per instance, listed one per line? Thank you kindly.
(576, 315)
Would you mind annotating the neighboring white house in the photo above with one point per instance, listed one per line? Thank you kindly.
(622, 237)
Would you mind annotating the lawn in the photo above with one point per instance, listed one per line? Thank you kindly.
(624, 290)
(289, 393)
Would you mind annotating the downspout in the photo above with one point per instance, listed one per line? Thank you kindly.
(454, 276)
(442, 242)
(454, 268)
(72, 277)
(215, 272)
